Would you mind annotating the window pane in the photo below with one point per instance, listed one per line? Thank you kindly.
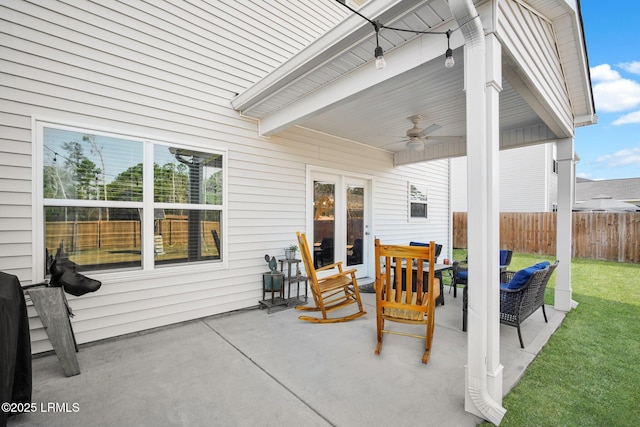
(418, 194)
(324, 195)
(355, 224)
(84, 166)
(418, 210)
(187, 176)
(187, 235)
(94, 238)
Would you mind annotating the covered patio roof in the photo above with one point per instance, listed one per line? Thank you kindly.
(521, 77)
(333, 87)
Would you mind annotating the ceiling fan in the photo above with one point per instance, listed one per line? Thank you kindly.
(417, 136)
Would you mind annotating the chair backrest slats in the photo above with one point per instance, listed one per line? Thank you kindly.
(408, 265)
(398, 275)
(403, 298)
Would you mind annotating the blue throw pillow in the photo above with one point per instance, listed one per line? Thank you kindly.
(522, 276)
(542, 265)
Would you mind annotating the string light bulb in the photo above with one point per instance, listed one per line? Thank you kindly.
(448, 56)
(380, 62)
(378, 53)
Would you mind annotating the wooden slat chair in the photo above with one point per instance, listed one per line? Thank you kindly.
(331, 292)
(410, 302)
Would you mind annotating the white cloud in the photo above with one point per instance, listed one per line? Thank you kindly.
(612, 93)
(603, 73)
(627, 119)
(584, 175)
(625, 157)
(630, 67)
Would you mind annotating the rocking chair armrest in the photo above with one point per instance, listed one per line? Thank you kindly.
(338, 274)
(330, 266)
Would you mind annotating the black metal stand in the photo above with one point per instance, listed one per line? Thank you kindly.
(295, 279)
(269, 283)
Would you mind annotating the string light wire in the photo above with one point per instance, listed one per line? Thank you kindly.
(377, 25)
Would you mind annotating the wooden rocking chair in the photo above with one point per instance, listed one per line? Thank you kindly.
(404, 297)
(331, 292)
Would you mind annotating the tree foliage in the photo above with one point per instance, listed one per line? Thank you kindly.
(75, 176)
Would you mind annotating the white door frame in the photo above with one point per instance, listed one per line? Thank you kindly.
(342, 176)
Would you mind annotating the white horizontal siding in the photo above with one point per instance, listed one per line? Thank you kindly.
(15, 196)
(391, 204)
(530, 40)
(168, 71)
(523, 179)
(526, 181)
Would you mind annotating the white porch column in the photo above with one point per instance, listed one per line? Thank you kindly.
(493, 89)
(483, 82)
(566, 158)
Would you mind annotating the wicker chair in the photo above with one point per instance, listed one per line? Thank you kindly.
(460, 275)
(516, 305)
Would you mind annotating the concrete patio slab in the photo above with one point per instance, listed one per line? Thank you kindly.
(251, 368)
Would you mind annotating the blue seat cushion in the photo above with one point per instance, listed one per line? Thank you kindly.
(438, 247)
(503, 256)
(463, 275)
(522, 276)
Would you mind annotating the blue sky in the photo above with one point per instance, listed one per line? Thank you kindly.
(611, 148)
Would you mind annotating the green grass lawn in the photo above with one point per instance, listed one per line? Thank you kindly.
(588, 374)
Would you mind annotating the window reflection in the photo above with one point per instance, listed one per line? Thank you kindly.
(355, 224)
(83, 166)
(187, 176)
(324, 222)
(187, 235)
(93, 240)
(94, 198)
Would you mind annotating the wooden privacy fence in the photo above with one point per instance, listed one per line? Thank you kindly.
(596, 235)
(92, 235)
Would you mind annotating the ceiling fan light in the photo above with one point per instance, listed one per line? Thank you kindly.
(415, 145)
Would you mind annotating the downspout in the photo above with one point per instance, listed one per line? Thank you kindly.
(467, 17)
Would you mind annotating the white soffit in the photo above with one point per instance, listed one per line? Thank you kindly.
(332, 86)
(346, 47)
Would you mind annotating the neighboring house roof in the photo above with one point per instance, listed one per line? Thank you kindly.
(627, 189)
(605, 204)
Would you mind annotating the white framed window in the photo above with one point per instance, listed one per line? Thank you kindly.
(112, 201)
(418, 201)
